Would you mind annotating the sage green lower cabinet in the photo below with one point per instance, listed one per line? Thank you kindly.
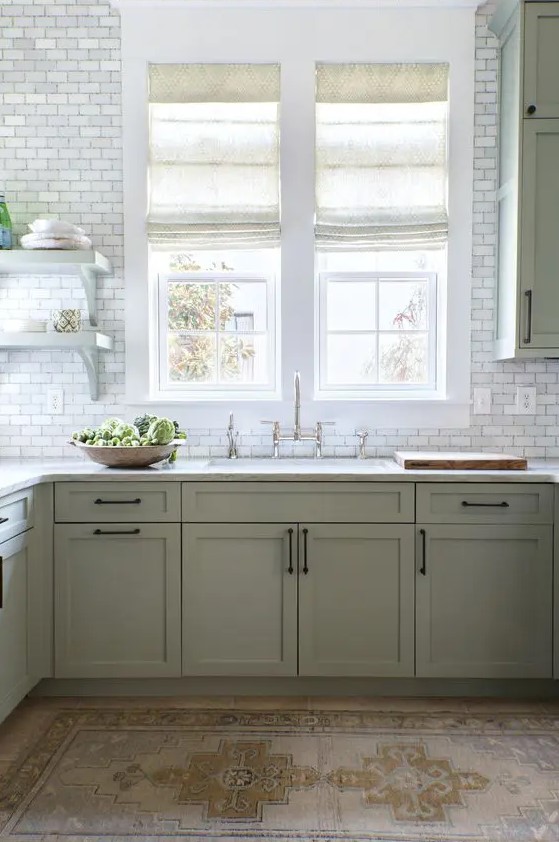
(239, 599)
(117, 600)
(20, 621)
(356, 599)
(484, 601)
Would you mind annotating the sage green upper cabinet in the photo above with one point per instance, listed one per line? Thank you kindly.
(539, 245)
(527, 322)
(356, 599)
(541, 60)
(240, 599)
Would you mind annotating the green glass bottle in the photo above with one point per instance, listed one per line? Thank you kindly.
(5, 224)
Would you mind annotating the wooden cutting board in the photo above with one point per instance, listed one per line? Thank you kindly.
(423, 460)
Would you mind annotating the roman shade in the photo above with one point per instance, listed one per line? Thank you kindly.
(381, 156)
(214, 155)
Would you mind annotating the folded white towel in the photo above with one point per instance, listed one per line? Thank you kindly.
(36, 238)
(41, 241)
(55, 227)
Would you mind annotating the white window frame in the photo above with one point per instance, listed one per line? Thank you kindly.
(366, 392)
(298, 35)
(199, 391)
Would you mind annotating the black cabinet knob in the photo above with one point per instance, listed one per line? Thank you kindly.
(531, 109)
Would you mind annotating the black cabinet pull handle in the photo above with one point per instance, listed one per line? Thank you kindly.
(502, 505)
(4, 519)
(116, 531)
(305, 554)
(290, 568)
(531, 109)
(135, 502)
(423, 568)
(528, 335)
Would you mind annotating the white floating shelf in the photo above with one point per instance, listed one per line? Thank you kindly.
(86, 344)
(87, 265)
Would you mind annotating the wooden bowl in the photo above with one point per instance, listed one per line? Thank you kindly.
(128, 457)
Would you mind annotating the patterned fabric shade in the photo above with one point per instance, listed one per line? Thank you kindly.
(214, 155)
(381, 148)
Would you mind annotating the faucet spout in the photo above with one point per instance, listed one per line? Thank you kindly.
(297, 388)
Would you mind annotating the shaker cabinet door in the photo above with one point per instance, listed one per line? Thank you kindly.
(484, 601)
(356, 599)
(541, 60)
(117, 600)
(18, 622)
(239, 599)
(539, 253)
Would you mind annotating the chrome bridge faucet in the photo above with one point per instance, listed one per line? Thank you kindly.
(298, 434)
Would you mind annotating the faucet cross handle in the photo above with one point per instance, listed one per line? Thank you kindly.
(232, 439)
(363, 435)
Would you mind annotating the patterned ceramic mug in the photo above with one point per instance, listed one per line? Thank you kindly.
(67, 321)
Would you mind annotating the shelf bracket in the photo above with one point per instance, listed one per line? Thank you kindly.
(89, 283)
(90, 357)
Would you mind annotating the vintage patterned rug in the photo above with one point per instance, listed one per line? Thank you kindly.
(163, 774)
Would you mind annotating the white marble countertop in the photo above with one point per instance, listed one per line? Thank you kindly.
(18, 474)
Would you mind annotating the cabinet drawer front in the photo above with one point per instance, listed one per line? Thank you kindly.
(484, 503)
(16, 513)
(279, 502)
(112, 502)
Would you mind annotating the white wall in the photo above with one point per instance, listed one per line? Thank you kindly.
(60, 153)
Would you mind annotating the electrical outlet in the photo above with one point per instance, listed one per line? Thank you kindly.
(55, 401)
(525, 400)
(482, 400)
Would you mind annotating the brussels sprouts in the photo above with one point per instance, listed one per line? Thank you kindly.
(135, 443)
(101, 443)
(90, 441)
(82, 435)
(161, 431)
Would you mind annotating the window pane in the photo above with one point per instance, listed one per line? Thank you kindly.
(351, 359)
(402, 305)
(243, 360)
(243, 307)
(351, 305)
(403, 358)
(191, 306)
(192, 359)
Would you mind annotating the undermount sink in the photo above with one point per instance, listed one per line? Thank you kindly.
(297, 463)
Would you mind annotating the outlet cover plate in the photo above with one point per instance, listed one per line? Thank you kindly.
(55, 401)
(525, 400)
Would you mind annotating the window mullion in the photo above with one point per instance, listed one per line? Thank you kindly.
(217, 333)
(377, 330)
(297, 163)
